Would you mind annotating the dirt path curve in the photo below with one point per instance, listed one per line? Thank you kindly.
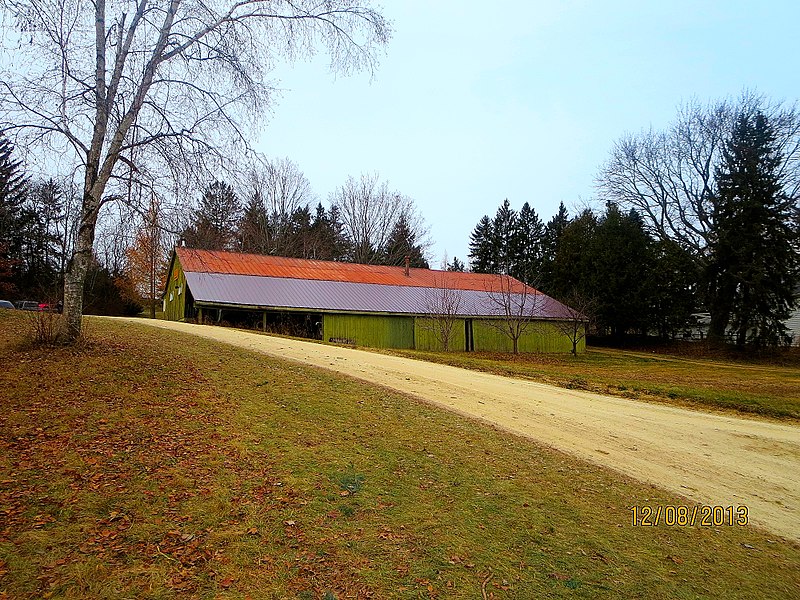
(711, 459)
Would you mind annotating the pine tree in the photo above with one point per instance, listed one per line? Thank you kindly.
(254, 232)
(402, 243)
(673, 286)
(527, 246)
(455, 265)
(215, 220)
(43, 212)
(504, 235)
(482, 255)
(621, 256)
(13, 217)
(573, 266)
(755, 263)
(327, 239)
(550, 239)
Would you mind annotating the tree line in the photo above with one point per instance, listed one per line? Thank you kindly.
(270, 210)
(701, 218)
(275, 214)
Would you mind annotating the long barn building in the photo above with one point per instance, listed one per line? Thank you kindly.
(365, 305)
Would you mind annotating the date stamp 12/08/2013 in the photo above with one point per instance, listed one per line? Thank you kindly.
(689, 516)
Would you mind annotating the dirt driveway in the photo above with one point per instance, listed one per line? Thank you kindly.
(712, 459)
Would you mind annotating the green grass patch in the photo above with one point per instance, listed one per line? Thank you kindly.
(151, 464)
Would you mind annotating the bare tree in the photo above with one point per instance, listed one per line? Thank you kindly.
(578, 310)
(516, 305)
(167, 90)
(369, 211)
(443, 304)
(276, 190)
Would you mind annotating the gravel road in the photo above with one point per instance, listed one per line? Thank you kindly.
(708, 458)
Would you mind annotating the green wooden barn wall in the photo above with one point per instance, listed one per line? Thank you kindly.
(175, 297)
(374, 331)
(540, 336)
(425, 335)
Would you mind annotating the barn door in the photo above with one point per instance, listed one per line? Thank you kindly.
(469, 341)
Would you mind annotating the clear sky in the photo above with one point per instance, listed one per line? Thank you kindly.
(475, 102)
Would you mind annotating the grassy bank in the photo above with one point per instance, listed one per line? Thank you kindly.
(153, 465)
(747, 388)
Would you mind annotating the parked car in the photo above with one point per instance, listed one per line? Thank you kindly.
(6, 304)
(28, 305)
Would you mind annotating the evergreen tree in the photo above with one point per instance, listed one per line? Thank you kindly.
(527, 246)
(42, 255)
(573, 269)
(254, 232)
(504, 236)
(13, 217)
(300, 244)
(673, 285)
(755, 263)
(621, 257)
(455, 265)
(550, 239)
(402, 243)
(215, 220)
(327, 239)
(482, 255)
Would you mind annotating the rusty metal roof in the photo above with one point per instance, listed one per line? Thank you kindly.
(233, 263)
(314, 294)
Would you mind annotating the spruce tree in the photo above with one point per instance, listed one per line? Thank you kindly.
(13, 217)
(621, 257)
(402, 243)
(254, 232)
(482, 254)
(215, 220)
(527, 246)
(755, 263)
(550, 239)
(504, 234)
(455, 265)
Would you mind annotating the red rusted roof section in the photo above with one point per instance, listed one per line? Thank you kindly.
(234, 263)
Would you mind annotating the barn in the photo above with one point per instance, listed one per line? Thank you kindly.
(366, 305)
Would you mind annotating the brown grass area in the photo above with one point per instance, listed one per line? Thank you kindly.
(150, 465)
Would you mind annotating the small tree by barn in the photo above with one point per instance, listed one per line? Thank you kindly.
(578, 311)
(148, 261)
(517, 307)
(443, 303)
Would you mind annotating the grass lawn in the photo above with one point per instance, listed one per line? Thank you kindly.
(147, 464)
(749, 388)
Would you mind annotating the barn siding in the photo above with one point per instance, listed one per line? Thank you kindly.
(540, 336)
(374, 331)
(425, 337)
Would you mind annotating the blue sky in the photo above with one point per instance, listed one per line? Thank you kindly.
(475, 102)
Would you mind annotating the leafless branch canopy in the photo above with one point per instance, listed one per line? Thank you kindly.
(163, 87)
(668, 176)
(369, 210)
